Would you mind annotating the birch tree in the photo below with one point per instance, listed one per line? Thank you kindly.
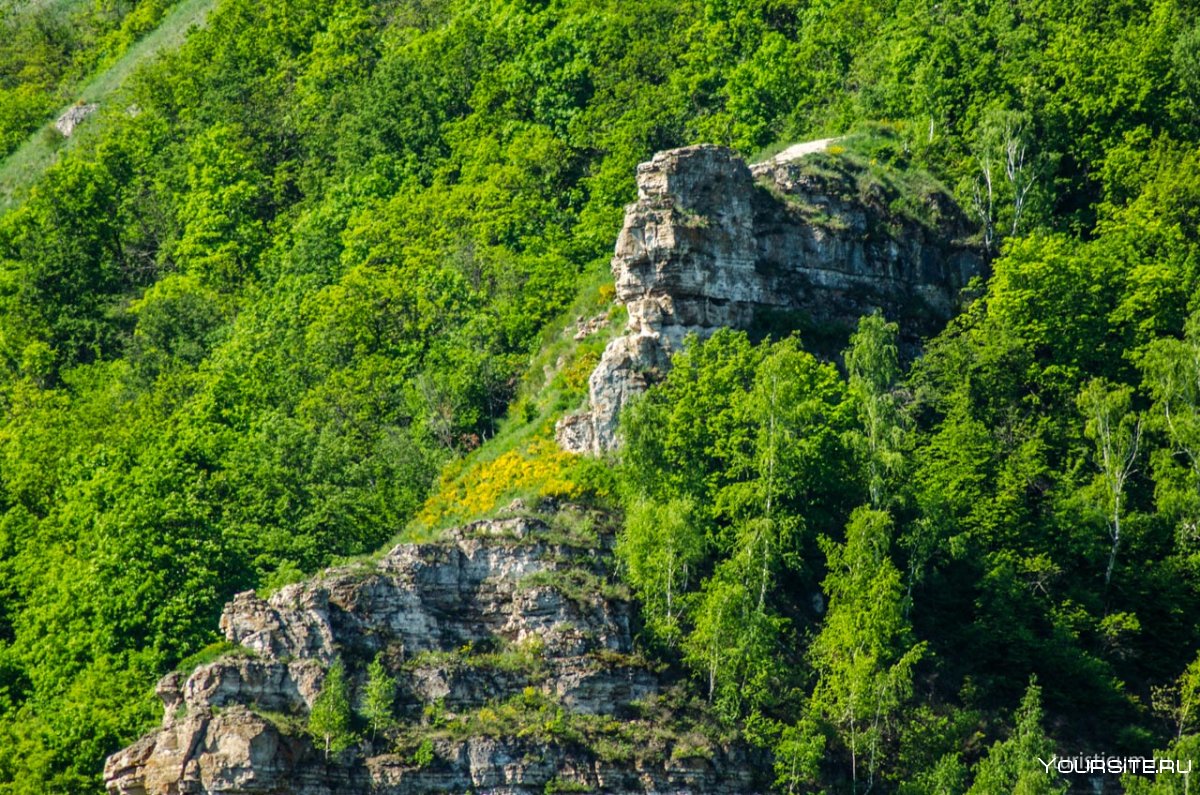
(792, 412)
(864, 655)
(329, 718)
(872, 366)
(379, 695)
(1116, 431)
(1006, 174)
(660, 547)
(1171, 370)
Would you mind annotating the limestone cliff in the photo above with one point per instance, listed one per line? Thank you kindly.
(510, 643)
(517, 673)
(712, 243)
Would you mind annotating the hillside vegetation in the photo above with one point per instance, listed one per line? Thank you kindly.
(312, 292)
(49, 49)
(154, 27)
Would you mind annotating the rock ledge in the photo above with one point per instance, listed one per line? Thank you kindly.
(712, 243)
(512, 652)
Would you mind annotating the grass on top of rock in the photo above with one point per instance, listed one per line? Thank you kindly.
(535, 717)
(578, 585)
(495, 653)
(553, 523)
(288, 724)
(218, 650)
(875, 166)
(605, 658)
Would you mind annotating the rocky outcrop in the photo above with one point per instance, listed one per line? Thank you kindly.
(73, 117)
(713, 243)
(512, 652)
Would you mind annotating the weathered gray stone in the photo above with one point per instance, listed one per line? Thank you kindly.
(271, 686)
(74, 115)
(586, 328)
(712, 243)
(231, 727)
(515, 767)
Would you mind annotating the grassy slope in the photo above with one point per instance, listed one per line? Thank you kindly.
(20, 169)
(25, 6)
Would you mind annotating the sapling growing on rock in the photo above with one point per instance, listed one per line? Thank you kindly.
(329, 719)
(379, 696)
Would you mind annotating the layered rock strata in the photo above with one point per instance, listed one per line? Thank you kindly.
(501, 618)
(712, 243)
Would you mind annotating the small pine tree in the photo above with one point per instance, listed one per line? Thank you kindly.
(379, 696)
(329, 719)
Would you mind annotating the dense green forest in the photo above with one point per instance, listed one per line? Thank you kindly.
(48, 48)
(294, 290)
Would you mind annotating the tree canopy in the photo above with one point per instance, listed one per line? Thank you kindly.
(300, 266)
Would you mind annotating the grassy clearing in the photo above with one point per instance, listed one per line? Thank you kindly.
(169, 34)
(21, 168)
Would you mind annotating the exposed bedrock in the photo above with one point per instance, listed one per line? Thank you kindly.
(501, 617)
(712, 243)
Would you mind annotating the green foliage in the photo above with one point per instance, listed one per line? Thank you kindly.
(798, 753)
(872, 370)
(379, 696)
(246, 325)
(743, 447)
(424, 755)
(47, 49)
(579, 585)
(1176, 703)
(668, 728)
(864, 655)
(561, 785)
(660, 547)
(329, 718)
(1182, 752)
(1012, 765)
(1117, 433)
(210, 653)
(1171, 370)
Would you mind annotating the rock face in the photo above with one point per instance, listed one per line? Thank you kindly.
(713, 243)
(512, 654)
(66, 123)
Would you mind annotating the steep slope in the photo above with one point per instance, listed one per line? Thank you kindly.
(24, 165)
(510, 640)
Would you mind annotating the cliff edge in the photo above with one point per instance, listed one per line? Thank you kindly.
(811, 243)
(512, 655)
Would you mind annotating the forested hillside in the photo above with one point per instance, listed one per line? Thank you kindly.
(49, 48)
(301, 286)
